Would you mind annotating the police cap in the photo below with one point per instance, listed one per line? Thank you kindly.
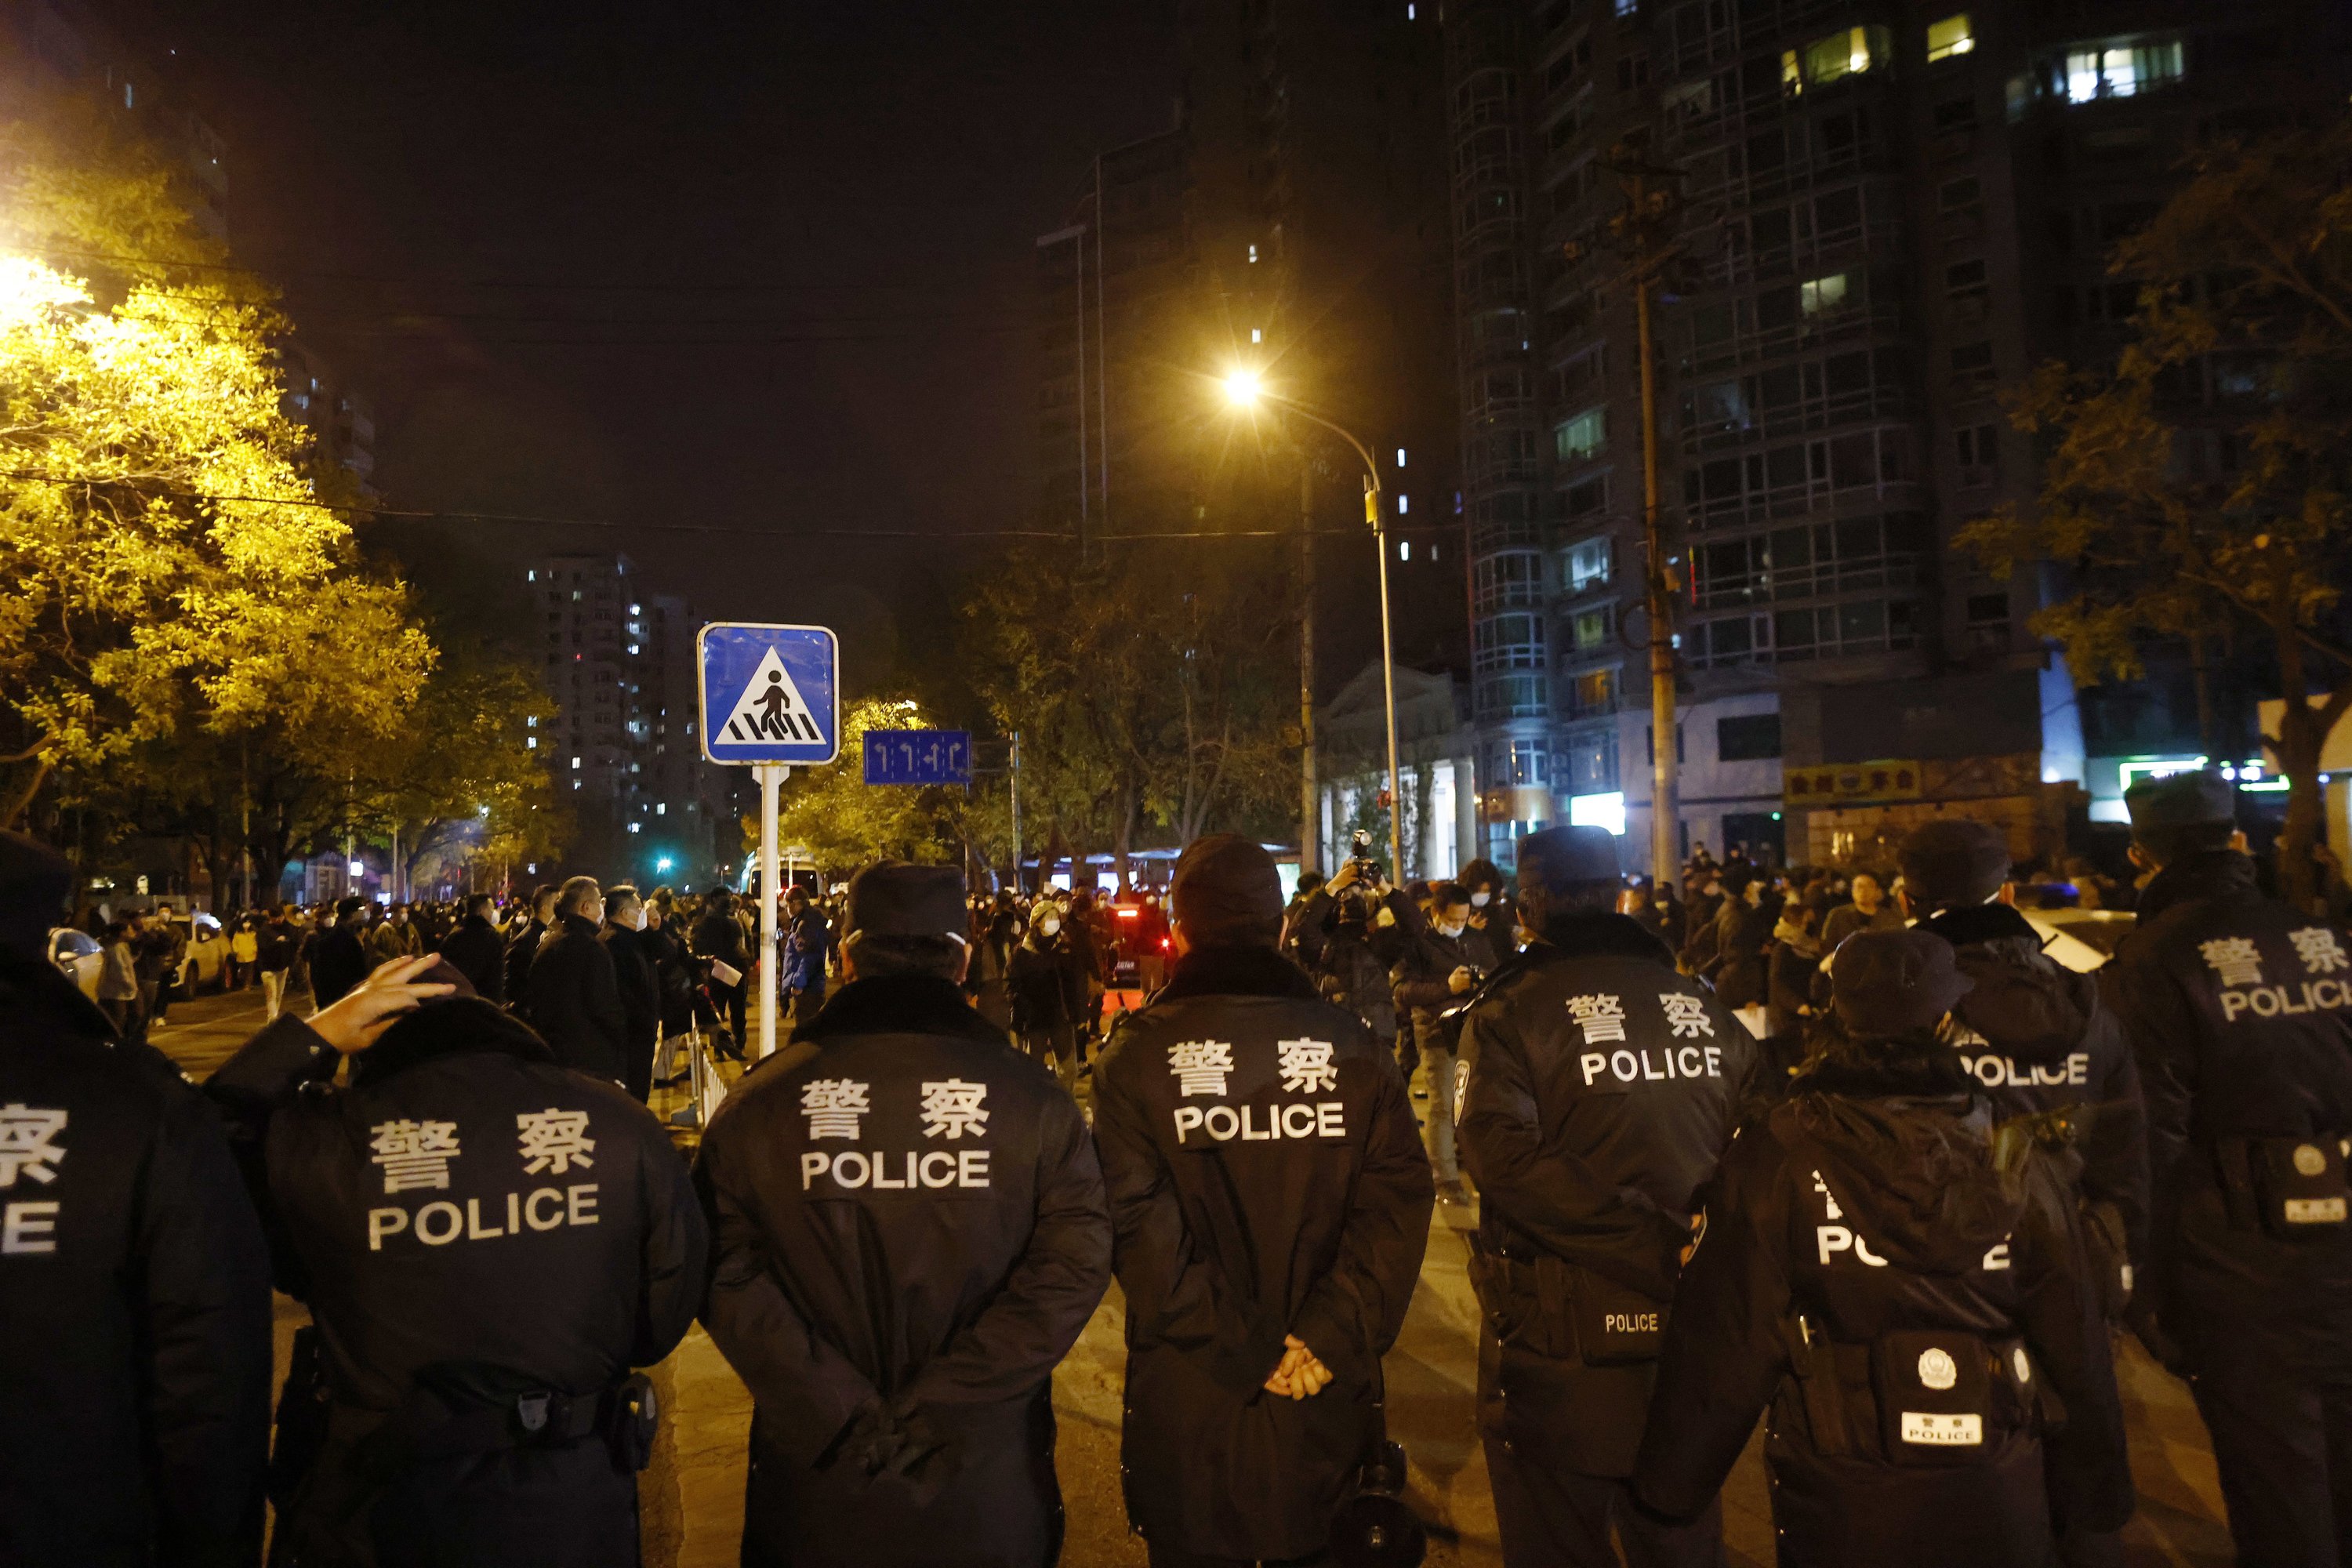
(1889, 983)
(1952, 862)
(2181, 800)
(1561, 857)
(1226, 893)
(896, 898)
(34, 882)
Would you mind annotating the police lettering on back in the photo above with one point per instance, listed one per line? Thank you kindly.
(29, 1152)
(1601, 1018)
(1202, 1068)
(417, 1155)
(950, 1109)
(2238, 965)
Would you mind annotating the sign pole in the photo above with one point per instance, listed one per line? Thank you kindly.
(772, 777)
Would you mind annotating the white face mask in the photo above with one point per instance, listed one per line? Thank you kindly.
(1450, 928)
(1049, 927)
(1478, 900)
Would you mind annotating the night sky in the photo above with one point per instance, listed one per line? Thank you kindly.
(768, 266)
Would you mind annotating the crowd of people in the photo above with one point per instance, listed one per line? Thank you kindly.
(1905, 1231)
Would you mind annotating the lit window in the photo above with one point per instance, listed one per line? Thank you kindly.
(1849, 51)
(2122, 71)
(632, 647)
(1253, 254)
(1949, 37)
(636, 828)
(1404, 505)
(1256, 336)
(662, 810)
(1578, 438)
(1404, 549)
(1400, 457)
(531, 742)
(1592, 630)
(1793, 75)
(575, 764)
(531, 576)
(1819, 295)
(1587, 563)
(1408, 13)
(531, 721)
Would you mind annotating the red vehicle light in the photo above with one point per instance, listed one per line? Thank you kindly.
(1128, 914)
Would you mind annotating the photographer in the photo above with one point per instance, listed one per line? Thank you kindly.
(1359, 920)
(1443, 960)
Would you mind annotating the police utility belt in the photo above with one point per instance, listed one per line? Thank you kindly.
(1555, 1308)
(471, 1415)
(1924, 1397)
(2292, 1188)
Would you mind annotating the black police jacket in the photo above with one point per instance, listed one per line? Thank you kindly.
(575, 1001)
(2240, 1011)
(1598, 1088)
(478, 952)
(134, 1292)
(911, 1236)
(1266, 1179)
(2037, 1038)
(466, 1218)
(1904, 1308)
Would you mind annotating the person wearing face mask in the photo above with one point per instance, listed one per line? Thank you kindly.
(1443, 960)
(639, 986)
(1491, 910)
(1036, 980)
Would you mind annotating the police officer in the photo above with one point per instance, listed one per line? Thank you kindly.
(488, 1244)
(1443, 959)
(2240, 1010)
(2040, 1044)
(1903, 1301)
(133, 1283)
(1272, 1201)
(1599, 1088)
(910, 1235)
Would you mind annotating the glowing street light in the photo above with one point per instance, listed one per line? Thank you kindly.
(1243, 388)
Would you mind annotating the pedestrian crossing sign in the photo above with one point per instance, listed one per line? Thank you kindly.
(770, 694)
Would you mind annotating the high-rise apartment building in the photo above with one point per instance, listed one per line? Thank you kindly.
(1291, 222)
(1888, 213)
(620, 663)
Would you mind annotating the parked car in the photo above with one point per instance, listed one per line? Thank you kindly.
(207, 963)
(2071, 932)
(78, 957)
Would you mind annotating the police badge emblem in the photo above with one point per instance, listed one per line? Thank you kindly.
(1936, 1370)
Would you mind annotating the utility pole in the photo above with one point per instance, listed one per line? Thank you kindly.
(1648, 227)
(1310, 838)
(1016, 810)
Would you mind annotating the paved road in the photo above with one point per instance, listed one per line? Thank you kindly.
(692, 1497)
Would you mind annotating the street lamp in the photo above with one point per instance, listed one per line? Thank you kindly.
(1245, 389)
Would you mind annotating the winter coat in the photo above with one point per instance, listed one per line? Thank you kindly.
(1596, 1090)
(471, 1226)
(804, 943)
(1791, 967)
(2037, 1038)
(478, 952)
(1036, 984)
(719, 935)
(640, 997)
(2239, 1009)
(117, 975)
(575, 1001)
(910, 1235)
(277, 946)
(338, 964)
(1421, 978)
(392, 941)
(672, 977)
(521, 951)
(1265, 1178)
(135, 1289)
(1734, 962)
(1847, 919)
(991, 961)
(1906, 1310)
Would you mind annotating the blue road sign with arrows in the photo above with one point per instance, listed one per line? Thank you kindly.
(917, 756)
(770, 694)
